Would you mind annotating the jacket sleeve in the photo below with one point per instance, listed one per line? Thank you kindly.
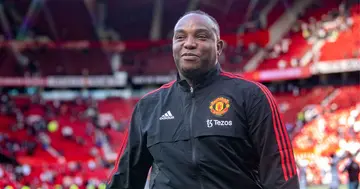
(132, 166)
(277, 167)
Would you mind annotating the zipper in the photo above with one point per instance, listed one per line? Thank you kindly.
(193, 149)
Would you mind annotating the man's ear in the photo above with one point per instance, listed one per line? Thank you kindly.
(220, 47)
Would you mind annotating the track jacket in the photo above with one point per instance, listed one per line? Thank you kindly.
(225, 133)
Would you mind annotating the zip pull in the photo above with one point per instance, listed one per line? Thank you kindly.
(192, 91)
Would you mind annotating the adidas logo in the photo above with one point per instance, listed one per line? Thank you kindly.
(167, 115)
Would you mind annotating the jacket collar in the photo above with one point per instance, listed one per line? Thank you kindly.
(202, 81)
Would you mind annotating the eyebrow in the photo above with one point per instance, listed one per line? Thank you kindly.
(202, 29)
(196, 30)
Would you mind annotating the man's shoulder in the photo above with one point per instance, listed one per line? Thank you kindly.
(155, 94)
(242, 84)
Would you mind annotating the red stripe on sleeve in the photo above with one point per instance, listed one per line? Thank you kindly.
(291, 152)
(280, 128)
(283, 131)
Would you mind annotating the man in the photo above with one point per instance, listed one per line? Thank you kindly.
(353, 170)
(208, 129)
(302, 165)
(334, 162)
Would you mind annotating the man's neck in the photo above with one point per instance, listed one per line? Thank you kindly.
(198, 78)
(189, 81)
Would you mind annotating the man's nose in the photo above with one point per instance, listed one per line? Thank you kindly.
(190, 43)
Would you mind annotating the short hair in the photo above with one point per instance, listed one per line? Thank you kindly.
(199, 12)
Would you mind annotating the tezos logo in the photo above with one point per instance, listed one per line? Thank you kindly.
(211, 122)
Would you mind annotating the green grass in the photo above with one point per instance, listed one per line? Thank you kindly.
(326, 187)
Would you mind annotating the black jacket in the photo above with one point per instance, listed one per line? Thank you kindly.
(226, 133)
(353, 170)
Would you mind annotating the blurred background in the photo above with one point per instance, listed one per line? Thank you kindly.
(71, 72)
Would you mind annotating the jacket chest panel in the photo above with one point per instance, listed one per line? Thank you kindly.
(167, 122)
(218, 115)
(182, 117)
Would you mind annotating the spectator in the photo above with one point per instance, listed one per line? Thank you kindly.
(91, 165)
(30, 147)
(94, 152)
(45, 140)
(253, 47)
(294, 62)
(73, 166)
(79, 140)
(67, 132)
(353, 170)
(67, 181)
(305, 31)
(335, 180)
(89, 129)
(282, 64)
(302, 166)
(1, 173)
(78, 181)
(26, 170)
(285, 43)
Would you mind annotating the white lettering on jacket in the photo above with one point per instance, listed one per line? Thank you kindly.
(213, 122)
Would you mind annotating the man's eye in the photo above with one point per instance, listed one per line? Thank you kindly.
(179, 37)
(202, 36)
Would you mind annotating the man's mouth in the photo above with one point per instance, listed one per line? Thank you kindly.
(189, 55)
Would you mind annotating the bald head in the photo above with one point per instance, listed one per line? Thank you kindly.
(210, 20)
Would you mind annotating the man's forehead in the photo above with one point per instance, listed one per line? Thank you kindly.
(195, 21)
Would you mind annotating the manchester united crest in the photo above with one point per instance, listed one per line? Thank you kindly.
(219, 106)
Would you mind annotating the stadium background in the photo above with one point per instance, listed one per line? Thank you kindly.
(72, 70)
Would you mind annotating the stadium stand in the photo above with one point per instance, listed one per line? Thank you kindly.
(48, 134)
(290, 107)
(348, 40)
(317, 23)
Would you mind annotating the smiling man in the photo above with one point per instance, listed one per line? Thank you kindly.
(209, 129)
(196, 45)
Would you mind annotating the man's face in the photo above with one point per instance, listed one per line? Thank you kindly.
(196, 46)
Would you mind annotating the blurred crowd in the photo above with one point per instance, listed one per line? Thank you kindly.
(30, 132)
(326, 143)
(313, 29)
